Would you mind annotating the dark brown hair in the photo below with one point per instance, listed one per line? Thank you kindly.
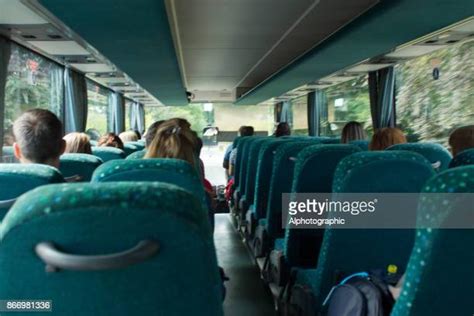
(39, 134)
(461, 139)
(352, 131)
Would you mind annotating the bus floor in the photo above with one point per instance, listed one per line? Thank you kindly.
(246, 293)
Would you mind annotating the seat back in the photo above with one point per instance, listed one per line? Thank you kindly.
(464, 158)
(434, 153)
(82, 165)
(361, 143)
(108, 153)
(129, 148)
(139, 145)
(439, 277)
(174, 171)
(149, 237)
(239, 158)
(16, 179)
(263, 175)
(346, 251)
(314, 173)
(280, 182)
(249, 187)
(245, 162)
(137, 155)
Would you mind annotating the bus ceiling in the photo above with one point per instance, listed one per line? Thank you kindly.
(239, 51)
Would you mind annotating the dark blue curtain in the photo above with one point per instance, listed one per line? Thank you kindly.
(116, 112)
(317, 112)
(137, 117)
(382, 97)
(5, 50)
(75, 101)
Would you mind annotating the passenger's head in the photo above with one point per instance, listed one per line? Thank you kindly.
(139, 135)
(110, 140)
(282, 129)
(151, 132)
(386, 137)
(461, 139)
(352, 131)
(38, 138)
(173, 141)
(78, 143)
(128, 136)
(246, 131)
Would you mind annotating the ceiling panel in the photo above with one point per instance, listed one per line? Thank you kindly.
(95, 68)
(60, 48)
(13, 12)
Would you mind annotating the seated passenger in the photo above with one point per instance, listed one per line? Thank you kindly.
(244, 131)
(78, 143)
(128, 136)
(38, 138)
(173, 141)
(151, 132)
(461, 139)
(110, 140)
(352, 131)
(225, 163)
(386, 137)
(282, 129)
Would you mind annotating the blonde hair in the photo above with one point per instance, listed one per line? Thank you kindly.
(128, 136)
(173, 140)
(78, 143)
(386, 137)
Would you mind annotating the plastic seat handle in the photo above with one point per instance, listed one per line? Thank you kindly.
(56, 260)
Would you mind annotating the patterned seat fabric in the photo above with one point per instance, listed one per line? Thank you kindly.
(139, 144)
(345, 251)
(280, 182)
(81, 165)
(108, 153)
(439, 278)
(137, 155)
(362, 144)
(106, 218)
(464, 158)
(314, 172)
(434, 153)
(174, 171)
(245, 162)
(129, 148)
(16, 179)
(250, 175)
(263, 176)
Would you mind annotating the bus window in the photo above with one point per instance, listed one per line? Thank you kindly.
(32, 82)
(97, 103)
(429, 109)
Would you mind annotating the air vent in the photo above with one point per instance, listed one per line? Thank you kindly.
(55, 36)
(29, 36)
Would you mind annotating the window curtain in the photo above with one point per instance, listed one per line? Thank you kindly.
(277, 111)
(116, 117)
(317, 113)
(286, 114)
(5, 50)
(75, 97)
(137, 117)
(382, 97)
(57, 90)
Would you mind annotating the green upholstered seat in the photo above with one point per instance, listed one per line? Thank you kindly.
(464, 158)
(314, 172)
(240, 161)
(16, 179)
(179, 278)
(82, 165)
(174, 171)
(248, 186)
(439, 278)
(137, 155)
(345, 251)
(129, 148)
(362, 144)
(139, 145)
(108, 153)
(245, 162)
(435, 153)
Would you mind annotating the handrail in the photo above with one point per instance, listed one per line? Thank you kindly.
(56, 259)
(7, 203)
